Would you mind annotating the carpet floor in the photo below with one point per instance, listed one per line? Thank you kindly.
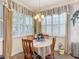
(57, 56)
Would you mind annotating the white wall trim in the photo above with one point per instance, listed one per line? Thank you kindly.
(59, 5)
(48, 7)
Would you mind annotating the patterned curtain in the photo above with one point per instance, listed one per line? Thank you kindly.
(19, 8)
(7, 30)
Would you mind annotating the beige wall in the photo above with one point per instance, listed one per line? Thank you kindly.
(38, 27)
(74, 33)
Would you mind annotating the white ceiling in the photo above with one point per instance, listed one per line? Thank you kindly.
(44, 4)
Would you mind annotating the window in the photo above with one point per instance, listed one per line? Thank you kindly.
(54, 25)
(1, 21)
(1, 30)
(22, 24)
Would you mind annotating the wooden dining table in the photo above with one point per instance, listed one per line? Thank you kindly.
(41, 47)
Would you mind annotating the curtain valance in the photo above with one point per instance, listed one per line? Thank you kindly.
(58, 10)
(19, 8)
(2, 1)
(11, 5)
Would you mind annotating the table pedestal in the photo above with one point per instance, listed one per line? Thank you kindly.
(43, 51)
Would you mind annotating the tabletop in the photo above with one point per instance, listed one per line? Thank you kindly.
(45, 43)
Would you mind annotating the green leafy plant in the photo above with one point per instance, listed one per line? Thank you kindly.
(75, 16)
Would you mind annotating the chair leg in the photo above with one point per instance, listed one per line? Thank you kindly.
(52, 55)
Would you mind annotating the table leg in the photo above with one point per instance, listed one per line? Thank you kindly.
(42, 51)
(39, 51)
(44, 54)
(49, 49)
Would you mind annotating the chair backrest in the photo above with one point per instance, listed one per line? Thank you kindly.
(30, 37)
(53, 45)
(27, 48)
(46, 36)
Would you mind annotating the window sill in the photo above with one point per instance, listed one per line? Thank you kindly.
(1, 39)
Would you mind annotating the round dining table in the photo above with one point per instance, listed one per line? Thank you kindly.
(42, 47)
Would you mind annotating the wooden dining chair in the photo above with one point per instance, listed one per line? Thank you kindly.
(51, 56)
(28, 48)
